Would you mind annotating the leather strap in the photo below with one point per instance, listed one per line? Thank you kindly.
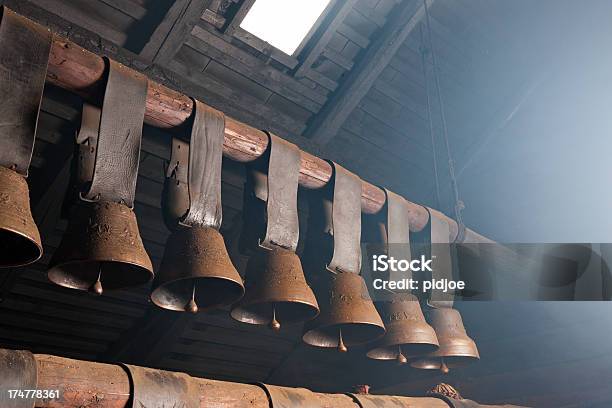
(398, 232)
(19, 372)
(119, 137)
(175, 194)
(346, 221)
(282, 227)
(204, 173)
(87, 141)
(24, 56)
(442, 265)
(177, 168)
(152, 388)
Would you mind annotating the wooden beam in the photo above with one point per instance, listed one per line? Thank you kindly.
(265, 48)
(359, 81)
(239, 16)
(76, 69)
(327, 35)
(338, 59)
(173, 31)
(81, 382)
(250, 66)
(353, 35)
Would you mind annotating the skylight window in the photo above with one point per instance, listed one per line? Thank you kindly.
(283, 23)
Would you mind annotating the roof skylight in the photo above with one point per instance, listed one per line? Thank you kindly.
(283, 24)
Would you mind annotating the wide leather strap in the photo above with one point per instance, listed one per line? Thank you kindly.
(24, 56)
(282, 226)
(119, 137)
(441, 263)
(204, 172)
(152, 388)
(398, 232)
(346, 221)
(19, 372)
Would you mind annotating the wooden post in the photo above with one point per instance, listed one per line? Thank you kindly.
(77, 70)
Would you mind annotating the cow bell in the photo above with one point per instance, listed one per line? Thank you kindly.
(408, 334)
(276, 291)
(456, 347)
(100, 250)
(19, 236)
(196, 272)
(348, 318)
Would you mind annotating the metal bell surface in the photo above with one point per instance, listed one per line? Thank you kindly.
(348, 316)
(276, 291)
(19, 237)
(196, 272)
(101, 250)
(408, 334)
(456, 347)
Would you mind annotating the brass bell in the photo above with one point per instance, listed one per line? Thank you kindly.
(196, 272)
(19, 236)
(348, 318)
(100, 250)
(408, 334)
(276, 291)
(456, 347)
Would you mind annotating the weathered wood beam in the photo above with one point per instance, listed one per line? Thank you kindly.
(173, 31)
(85, 383)
(80, 71)
(243, 10)
(321, 44)
(361, 78)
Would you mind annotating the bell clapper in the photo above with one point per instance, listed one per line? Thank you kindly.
(274, 324)
(97, 286)
(401, 358)
(341, 347)
(192, 306)
(444, 367)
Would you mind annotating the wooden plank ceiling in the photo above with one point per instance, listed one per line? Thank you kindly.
(190, 45)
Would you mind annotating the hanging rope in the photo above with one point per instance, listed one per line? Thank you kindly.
(434, 150)
(459, 205)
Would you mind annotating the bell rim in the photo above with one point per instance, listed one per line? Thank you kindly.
(166, 306)
(145, 268)
(347, 340)
(167, 282)
(435, 363)
(311, 306)
(392, 350)
(31, 240)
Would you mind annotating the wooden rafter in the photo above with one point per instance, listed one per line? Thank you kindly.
(325, 38)
(359, 81)
(173, 31)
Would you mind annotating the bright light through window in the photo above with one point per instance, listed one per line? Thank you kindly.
(283, 23)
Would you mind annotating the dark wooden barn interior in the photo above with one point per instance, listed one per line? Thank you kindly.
(523, 86)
